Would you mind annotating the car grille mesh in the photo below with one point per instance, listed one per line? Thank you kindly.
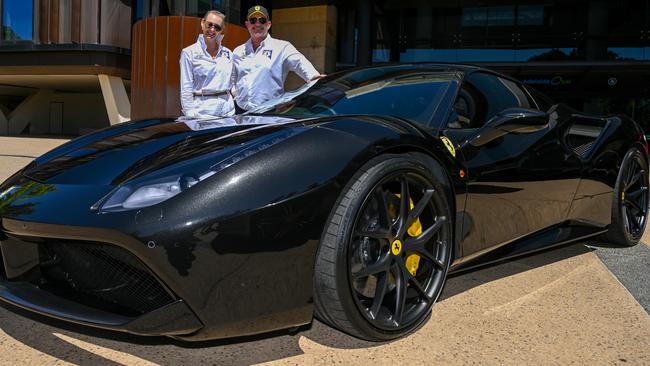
(104, 276)
(583, 149)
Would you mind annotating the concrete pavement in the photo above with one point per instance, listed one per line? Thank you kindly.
(558, 307)
(630, 266)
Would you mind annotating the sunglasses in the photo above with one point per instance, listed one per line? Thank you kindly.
(216, 27)
(255, 20)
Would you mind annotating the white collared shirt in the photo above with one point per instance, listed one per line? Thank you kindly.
(261, 73)
(202, 74)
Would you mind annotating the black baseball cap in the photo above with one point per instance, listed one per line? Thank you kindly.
(258, 10)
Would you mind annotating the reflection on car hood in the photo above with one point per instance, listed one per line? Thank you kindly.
(211, 123)
(107, 158)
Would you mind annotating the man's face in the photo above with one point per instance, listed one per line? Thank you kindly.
(211, 26)
(258, 26)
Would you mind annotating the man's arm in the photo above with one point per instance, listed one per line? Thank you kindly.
(298, 63)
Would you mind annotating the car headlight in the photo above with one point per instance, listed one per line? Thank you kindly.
(148, 195)
(144, 194)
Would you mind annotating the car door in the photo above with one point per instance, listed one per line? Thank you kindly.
(518, 182)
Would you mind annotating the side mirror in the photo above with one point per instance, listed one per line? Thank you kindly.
(511, 120)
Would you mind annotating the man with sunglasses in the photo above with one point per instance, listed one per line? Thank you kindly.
(263, 63)
(207, 72)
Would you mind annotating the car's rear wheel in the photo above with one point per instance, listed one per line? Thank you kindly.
(385, 253)
(630, 203)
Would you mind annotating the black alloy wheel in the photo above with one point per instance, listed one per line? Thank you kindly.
(630, 204)
(391, 250)
(396, 263)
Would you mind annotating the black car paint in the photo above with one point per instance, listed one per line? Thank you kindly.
(239, 247)
(250, 256)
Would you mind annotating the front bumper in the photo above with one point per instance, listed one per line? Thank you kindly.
(238, 274)
(60, 283)
(172, 320)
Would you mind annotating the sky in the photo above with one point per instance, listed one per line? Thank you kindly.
(17, 14)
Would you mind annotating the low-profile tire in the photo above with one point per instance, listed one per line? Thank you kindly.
(386, 249)
(630, 202)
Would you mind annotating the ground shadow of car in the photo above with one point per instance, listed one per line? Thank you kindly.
(49, 335)
(463, 281)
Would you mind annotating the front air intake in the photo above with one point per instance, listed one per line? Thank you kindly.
(101, 276)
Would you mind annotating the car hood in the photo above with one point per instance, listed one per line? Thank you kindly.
(116, 155)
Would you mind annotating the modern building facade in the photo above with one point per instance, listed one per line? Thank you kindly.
(64, 65)
(591, 54)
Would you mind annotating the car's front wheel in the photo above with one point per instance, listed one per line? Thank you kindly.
(386, 249)
(630, 202)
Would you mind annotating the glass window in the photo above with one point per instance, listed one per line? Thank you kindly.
(470, 107)
(491, 95)
(543, 102)
(17, 20)
(530, 15)
(415, 101)
(501, 15)
(413, 96)
(523, 99)
(474, 17)
(229, 7)
(197, 8)
(490, 16)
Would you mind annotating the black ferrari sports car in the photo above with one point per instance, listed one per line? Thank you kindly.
(350, 199)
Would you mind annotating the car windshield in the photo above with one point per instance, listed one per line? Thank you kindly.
(412, 93)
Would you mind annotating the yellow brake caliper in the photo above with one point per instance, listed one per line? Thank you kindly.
(413, 260)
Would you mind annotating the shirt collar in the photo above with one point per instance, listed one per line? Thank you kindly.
(249, 43)
(204, 47)
(266, 40)
(201, 40)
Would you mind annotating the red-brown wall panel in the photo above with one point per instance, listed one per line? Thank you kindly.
(174, 48)
(155, 73)
(160, 61)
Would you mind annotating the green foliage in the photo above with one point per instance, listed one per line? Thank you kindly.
(10, 203)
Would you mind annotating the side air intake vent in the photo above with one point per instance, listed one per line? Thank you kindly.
(583, 149)
(583, 134)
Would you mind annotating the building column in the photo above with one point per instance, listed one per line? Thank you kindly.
(365, 42)
(312, 30)
(116, 100)
(597, 28)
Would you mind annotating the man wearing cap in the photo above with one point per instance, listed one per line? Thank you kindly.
(263, 63)
(207, 72)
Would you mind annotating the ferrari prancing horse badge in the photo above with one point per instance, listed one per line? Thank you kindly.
(449, 145)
